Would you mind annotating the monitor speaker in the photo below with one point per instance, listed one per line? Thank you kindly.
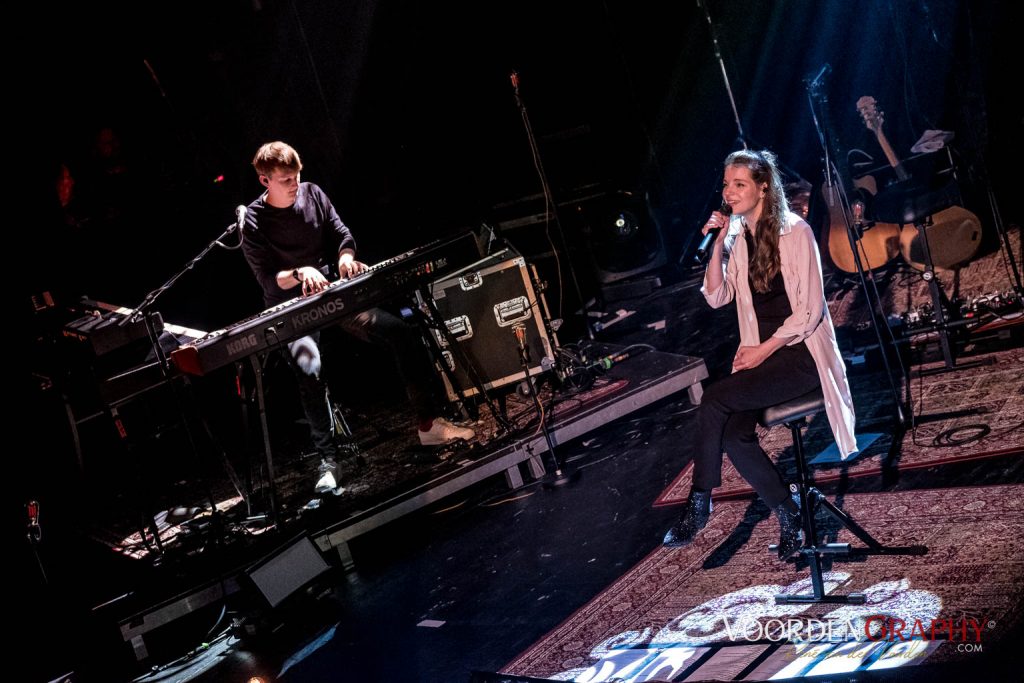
(288, 570)
(623, 235)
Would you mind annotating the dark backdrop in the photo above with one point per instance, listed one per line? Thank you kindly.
(404, 113)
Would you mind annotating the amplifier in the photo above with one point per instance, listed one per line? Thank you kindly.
(480, 308)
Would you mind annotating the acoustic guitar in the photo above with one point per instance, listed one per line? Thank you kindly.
(954, 233)
(878, 245)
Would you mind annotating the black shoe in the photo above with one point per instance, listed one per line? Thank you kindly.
(790, 534)
(694, 518)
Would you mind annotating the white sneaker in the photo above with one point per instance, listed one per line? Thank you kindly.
(443, 432)
(327, 482)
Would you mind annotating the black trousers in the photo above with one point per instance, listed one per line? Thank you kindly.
(727, 419)
(379, 327)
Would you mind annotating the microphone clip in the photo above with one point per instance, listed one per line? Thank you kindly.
(814, 84)
(519, 330)
(240, 211)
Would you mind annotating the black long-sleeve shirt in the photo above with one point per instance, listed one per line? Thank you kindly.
(307, 233)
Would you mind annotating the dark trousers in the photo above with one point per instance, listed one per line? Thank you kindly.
(728, 414)
(378, 327)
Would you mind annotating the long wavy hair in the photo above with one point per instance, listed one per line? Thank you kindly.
(765, 262)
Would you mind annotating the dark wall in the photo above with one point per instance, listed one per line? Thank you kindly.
(404, 113)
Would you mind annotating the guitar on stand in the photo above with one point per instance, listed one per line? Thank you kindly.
(878, 243)
(953, 231)
(924, 216)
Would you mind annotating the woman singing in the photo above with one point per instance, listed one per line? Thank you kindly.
(787, 343)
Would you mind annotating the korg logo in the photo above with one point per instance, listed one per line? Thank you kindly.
(322, 311)
(241, 344)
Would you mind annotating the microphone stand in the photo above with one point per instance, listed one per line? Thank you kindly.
(154, 327)
(836, 192)
(559, 477)
(552, 208)
(35, 536)
(147, 303)
(725, 76)
(741, 136)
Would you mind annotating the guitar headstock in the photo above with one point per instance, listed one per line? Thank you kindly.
(868, 110)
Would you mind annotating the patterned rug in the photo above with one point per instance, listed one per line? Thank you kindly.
(664, 616)
(962, 415)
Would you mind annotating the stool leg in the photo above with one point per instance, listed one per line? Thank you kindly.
(873, 546)
(809, 500)
(808, 503)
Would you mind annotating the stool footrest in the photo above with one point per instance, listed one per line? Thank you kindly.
(830, 549)
(892, 550)
(851, 599)
(826, 549)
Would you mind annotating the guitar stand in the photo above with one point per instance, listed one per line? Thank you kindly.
(942, 324)
(344, 438)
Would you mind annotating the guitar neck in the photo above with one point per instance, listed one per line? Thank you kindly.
(890, 154)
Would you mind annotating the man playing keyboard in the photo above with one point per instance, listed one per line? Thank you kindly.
(291, 233)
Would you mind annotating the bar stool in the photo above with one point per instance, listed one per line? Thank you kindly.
(792, 414)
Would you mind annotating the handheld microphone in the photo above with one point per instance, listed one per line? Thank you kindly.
(709, 239)
(240, 212)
